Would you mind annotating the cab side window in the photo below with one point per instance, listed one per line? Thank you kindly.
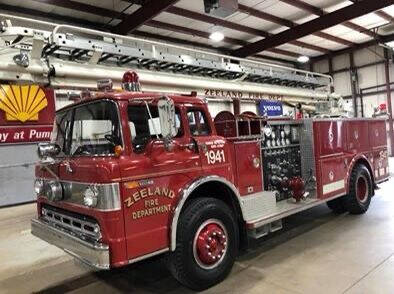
(143, 128)
(198, 123)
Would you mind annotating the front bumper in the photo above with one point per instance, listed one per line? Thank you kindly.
(93, 254)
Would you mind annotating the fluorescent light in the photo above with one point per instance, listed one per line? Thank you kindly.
(303, 59)
(216, 36)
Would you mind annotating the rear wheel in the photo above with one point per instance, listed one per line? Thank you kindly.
(360, 191)
(207, 244)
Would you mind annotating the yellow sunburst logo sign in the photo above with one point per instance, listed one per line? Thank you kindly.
(22, 103)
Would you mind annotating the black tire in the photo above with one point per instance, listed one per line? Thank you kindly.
(360, 190)
(183, 263)
(337, 205)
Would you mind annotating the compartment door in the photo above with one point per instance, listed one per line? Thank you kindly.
(333, 176)
(357, 136)
(249, 177)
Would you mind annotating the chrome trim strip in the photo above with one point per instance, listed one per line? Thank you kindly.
(185, 193)
(94, 254)
(108, 194)
(142, 257)
(77, 182)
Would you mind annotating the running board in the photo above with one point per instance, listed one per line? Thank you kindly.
(285, 208)
(264, 230)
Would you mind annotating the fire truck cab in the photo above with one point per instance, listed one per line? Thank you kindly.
(131, 175)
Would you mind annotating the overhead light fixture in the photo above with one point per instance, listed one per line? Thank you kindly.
(216, 36)
(303, 59)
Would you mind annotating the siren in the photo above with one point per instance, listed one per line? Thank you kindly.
(131, 82)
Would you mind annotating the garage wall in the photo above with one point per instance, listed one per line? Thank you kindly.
(17, 173)
(368, 76)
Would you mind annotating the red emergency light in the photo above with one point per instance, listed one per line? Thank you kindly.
(131, 82)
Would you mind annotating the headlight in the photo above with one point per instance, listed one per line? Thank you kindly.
(54, 191)
(38, 187)
(90, 196)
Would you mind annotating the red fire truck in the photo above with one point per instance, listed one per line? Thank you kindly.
(131, 175)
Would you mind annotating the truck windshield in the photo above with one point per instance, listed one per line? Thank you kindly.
(90, 129)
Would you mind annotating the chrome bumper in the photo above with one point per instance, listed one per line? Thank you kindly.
(93, 254)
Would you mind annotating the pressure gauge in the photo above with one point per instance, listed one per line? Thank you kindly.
(267, 131)
(273, 135)
(287, 129)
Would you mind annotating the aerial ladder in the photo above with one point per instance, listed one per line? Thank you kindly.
(68, 57)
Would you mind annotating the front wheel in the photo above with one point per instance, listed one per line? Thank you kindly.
(360, 191)
(207, 244)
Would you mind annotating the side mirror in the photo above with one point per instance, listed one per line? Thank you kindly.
(167, 120)
(46, 151)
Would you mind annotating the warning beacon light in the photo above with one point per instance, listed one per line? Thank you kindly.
(131, 82)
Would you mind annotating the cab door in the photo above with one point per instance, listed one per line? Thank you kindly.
(213, 150)
(152, 176)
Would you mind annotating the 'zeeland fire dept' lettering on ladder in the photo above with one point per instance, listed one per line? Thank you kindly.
(26, 113)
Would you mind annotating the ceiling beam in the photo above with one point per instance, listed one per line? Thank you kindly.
(305, 6)
(205, 35)
(383, 39)
(75, 5)
(221, 50)
(320, 12)
(385, 15)
(142, 15)
(58, 18)
(321, 23)
(360, 29)
(381, 14)
(287, 23)
(216, 21)
(263, 15)
(334, 38)
(177, 11)
(234, 26)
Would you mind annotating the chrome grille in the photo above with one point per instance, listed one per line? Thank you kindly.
(76, 226)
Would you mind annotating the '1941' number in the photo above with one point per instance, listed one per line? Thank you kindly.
(215, 156)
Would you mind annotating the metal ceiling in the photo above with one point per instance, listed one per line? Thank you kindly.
(279, 30)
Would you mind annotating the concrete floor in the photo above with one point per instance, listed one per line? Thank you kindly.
(317, 252)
